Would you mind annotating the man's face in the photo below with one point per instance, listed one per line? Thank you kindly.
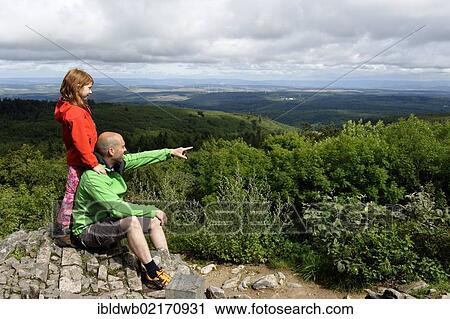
(119, 150)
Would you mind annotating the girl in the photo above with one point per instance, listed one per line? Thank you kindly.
(79, 135)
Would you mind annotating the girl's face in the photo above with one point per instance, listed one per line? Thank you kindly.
(86, 90)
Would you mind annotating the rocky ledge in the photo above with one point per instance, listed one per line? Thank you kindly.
(33, 266)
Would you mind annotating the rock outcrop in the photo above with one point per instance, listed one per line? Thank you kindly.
(33, 266)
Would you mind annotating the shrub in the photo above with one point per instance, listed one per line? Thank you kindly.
(298, 173)
(29, 188)
(357, 162)
(166, 181)
(22, 208)
(218, 159)
(365, 243)
(420, 153)
(239, 227)
(428, 226)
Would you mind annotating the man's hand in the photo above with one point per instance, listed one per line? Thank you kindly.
(161, 216)
(181, 152)
(99, 169)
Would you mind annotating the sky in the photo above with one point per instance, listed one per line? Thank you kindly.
(246, 39)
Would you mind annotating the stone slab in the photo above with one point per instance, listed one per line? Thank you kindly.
(190, 286)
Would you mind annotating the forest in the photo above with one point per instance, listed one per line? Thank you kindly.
(348, 206)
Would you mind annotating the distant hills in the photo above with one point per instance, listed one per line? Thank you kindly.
(296, 103)
(430, 85)
(143, 126)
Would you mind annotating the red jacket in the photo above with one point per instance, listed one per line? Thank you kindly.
(79, 134)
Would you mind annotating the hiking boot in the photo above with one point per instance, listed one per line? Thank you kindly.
(161, 280)
(62, 236)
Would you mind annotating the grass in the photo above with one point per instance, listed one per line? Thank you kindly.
(441, 287)
(19, 252)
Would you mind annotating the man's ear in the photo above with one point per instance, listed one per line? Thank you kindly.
(110, 151)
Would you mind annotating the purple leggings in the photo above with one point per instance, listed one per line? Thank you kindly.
(65, 211)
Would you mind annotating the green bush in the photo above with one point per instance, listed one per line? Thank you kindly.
(380, 162)
(218, 159)
(166, 181)
(298, 173)
(357, 162)
(27, 166)
(22, 208)
(419, 153)
(428, 226)
(237, 248)
(365, 243)
(239, 227)
(29, 188)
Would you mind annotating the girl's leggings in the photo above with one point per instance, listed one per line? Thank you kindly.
(65, 211)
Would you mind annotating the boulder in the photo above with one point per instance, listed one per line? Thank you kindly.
(186, 287)
(393, 294)
(269, 281)
(215, 293)
(231, 283)
(207, 269)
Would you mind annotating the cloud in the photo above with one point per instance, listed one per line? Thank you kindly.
(227, 35)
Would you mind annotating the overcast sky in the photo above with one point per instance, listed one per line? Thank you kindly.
(247, 39)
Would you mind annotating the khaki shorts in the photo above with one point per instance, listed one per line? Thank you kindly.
(107, 232)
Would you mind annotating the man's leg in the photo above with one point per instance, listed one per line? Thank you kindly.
(136, 238)
(107, 232)
(157, 235)
(153, 275)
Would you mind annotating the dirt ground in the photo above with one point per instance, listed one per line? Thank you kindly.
(308, 290)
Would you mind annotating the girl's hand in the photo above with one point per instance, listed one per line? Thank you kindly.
(99, 169)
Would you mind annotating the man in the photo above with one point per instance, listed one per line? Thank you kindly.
(101, 217)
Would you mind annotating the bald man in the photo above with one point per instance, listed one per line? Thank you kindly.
(101, 217)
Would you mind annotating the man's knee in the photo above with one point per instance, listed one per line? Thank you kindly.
(154, 223)
(130, 223)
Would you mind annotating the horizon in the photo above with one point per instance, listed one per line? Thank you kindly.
(180, 82)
